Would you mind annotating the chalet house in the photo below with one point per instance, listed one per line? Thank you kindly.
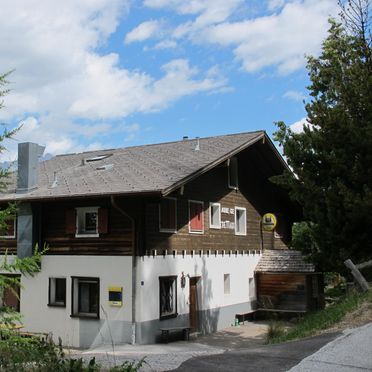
(144, 237)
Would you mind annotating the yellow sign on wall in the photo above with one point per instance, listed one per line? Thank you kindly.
(115, 296)
(269, 221)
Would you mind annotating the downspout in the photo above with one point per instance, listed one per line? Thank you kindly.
(134, 266)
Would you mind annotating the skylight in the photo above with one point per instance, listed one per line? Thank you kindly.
(98, 157)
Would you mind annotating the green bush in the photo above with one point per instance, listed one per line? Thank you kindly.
(18, 354)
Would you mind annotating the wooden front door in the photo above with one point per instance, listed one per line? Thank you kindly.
(194, 303)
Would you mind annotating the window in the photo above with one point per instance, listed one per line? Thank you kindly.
(196, 217)
(226, 283)
(168, 215)
(8, 231)
(252, 289)
(215, 215)
(233, 173)
(87, 221)
(168, 296)
(57, 292)
(10, 296)
(240, 221)
(85, 297)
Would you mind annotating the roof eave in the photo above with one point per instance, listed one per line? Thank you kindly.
(210, 166)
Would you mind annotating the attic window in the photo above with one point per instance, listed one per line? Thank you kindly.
(98, 157)
(233, 173)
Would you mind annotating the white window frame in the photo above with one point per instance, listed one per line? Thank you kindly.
(252, 288)
(84, 210)
(196, 231)
(14, 229)
(211, 225)
(226, 284)
(175, 216)
(236, 222)
(53, 291)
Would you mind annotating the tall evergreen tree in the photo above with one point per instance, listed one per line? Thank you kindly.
(332, 158)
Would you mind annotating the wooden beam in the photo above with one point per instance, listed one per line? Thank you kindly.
(364, 265)
(357, 275)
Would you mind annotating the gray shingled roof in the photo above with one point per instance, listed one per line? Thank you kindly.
(283, 261)
(140, 169)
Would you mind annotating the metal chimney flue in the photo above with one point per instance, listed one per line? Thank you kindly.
(28, 166)
(197, 147)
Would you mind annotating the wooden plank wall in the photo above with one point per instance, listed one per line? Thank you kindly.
(282, 290)
(118, 240)
(254, 194)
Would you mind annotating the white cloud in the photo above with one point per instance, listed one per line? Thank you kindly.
(281, 38)
(166, 44)
(144, 31)
(123, 93)
(61, 77)
(294, 95)
(275, 4)
(298, 126)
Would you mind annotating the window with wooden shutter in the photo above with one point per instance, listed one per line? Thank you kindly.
(168, 215)
(196, 217)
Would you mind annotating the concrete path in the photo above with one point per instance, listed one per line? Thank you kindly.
(241, 349)
(351, 352)
(164, 357)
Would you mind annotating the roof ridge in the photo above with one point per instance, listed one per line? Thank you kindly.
(160, 143)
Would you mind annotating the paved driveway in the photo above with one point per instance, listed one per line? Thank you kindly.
(267, 358)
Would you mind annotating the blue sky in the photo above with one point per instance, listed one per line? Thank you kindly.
(94, 74)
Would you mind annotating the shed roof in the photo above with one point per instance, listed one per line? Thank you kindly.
(284, 260)
(159, 168)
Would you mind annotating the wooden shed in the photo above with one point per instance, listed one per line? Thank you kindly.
(284, 281)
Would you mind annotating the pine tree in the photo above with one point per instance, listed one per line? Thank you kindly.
(332, 158)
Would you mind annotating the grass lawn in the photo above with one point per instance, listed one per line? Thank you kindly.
(312, 323)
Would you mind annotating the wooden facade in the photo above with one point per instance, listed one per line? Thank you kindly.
(54, 220)
(300, 292)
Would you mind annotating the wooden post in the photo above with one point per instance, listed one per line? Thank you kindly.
(357, 275)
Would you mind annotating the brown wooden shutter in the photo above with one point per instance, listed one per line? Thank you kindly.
(196, 216)
(70, 221)
(102, 220)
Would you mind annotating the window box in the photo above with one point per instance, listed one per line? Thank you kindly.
(85, 297)
(240, 221)
(196, 217)
(168, 215)
(215, 215)
(57, 292)
(168, 297)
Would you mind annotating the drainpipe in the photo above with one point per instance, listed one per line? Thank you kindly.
(134, 266)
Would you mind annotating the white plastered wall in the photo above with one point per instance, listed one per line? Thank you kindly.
(210, 268)
(39, 317)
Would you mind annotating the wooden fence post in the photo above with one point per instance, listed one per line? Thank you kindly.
(357, 275)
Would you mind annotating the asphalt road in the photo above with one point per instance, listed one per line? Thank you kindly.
(268, 358)
(349, 353)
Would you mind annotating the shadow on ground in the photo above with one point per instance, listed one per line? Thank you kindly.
(270, 358)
